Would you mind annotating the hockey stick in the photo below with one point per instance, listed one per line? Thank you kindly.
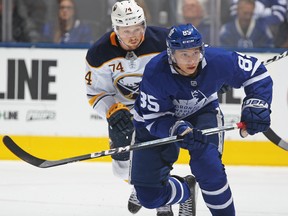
(275, 58)
(270, 134)
(42, 163)
(274, 138)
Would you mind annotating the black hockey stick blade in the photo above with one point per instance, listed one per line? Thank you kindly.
(42, 163)
(35, 161)
(274, 138)
(15, 149)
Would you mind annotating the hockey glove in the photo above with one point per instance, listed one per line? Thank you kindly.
(256, 115)
(120, 129)
(193, 138)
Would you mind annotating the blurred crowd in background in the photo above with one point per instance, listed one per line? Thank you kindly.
(226, 23)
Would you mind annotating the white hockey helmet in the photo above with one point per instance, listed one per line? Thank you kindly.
(127, 13)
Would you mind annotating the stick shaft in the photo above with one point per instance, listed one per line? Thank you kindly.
(275, 58)
(43, 163)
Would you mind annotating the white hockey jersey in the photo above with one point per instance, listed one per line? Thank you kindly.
(113, 74)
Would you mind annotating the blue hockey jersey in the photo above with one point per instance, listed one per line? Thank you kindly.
(166, 97)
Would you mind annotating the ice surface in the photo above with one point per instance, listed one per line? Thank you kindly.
(90, 189)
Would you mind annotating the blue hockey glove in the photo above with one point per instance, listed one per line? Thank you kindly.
(256, 115)
(120, 129)
(193, 138)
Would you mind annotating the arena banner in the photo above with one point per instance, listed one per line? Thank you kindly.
(42, 93)
(43, 107)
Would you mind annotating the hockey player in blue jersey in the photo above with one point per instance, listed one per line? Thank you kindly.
(178, 96)
(114, 68)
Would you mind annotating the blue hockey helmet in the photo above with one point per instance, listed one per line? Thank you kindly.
(183, 36)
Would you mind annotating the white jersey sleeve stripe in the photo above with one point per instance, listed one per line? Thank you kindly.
(103, 104)
(257, 64)
(156, 115)
(137, 117)
(256, 79)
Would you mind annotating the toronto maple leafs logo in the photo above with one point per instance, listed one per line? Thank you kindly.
(185, 108)
(128, 86)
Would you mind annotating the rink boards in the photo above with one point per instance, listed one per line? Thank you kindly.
(43, 106)
(235, 152)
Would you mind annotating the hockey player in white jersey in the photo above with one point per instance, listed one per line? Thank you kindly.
(178, 96)
(115, 64)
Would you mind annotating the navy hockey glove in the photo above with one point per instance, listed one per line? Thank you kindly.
(121, 128)
(193, 138)
(256, 115)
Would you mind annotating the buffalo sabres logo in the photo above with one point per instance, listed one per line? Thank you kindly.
(128, 86)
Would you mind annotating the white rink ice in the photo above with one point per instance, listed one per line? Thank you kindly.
(90, 189)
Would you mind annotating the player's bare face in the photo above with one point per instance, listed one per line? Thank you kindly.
(187, 60)
(131, 36)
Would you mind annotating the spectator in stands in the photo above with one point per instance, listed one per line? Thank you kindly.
(67, 28)
(245, 31)
(193, 12)
(281, 39)
(28, 17)
(273, 12)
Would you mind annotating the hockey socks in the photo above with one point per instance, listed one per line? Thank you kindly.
(176, 191)
(219, 202)
(180, 190)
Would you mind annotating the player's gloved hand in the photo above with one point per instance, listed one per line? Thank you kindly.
(121, 128)
(256, 115)
(193, 138)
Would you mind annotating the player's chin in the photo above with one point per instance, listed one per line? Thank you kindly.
(133, 46)
(190, 71)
